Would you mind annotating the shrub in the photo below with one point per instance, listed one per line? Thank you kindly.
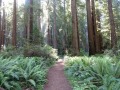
(10, 51)
(30, 51)
(39, 51)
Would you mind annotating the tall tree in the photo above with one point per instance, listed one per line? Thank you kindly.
(48, 31)
(55, 29)
(90, 28)
(25, 20)
(95, 27)
(75, 34)
(31, 21)
(28, 15)
(14, 24)
(3, 27)
(99, 35)
(64, 31)
(112, 25)
(0, 23)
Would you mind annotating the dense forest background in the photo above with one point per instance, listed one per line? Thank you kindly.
(68, 26)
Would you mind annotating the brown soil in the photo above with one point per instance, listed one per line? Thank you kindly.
(56, 78)
(1, 88)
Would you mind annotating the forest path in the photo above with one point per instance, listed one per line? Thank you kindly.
(56, 78)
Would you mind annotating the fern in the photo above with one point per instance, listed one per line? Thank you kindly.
(94, 73)
(19, 72)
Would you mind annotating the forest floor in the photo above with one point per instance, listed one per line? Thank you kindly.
(56, 78)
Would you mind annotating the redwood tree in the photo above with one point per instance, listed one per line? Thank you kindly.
(31, 21)
(28, 15)
(64, 31)
(55, 30)
(91, 36)
(3, 28)
(0, 24)
(95, 32)
(75, 34)
(49, 31)
(100, 39)
(112, 25)
(14, 24)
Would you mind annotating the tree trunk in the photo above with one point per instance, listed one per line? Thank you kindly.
(26, 19)
(31, 21)
(48, 31)
(0, 24)
(100, 41)
(90, 28)
(3, 27)
(64, 31)
(55, 30)
(14, 25)
(112, 25)
(40, 18)
(49, 36)
(75, 34)
(95, 27)
(28, 15)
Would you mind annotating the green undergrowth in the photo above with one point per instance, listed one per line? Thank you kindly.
(101, 72)
(20, 73)
(44, 51)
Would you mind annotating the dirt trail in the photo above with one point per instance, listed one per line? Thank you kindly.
(56, 78)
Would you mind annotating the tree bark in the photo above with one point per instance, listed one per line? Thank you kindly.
(64, 31)
(26, 19)
(28, 15)
(31, 21)
(14, 25)
(55, 30)
(48, 31)
(90, 28)
(112, 25)
(96, 40)
(75, 34)
(3, 27)
(0, 24)
(100, 41)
